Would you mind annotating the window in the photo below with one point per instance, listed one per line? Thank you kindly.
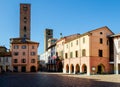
(71, 44)
(23, 53)
(83, 40)
(16, 47)
(25, 8)
(24, 47)
(23, 60)
(15, 60)
(76, 42)
(16, 53)
(32, 60)
(67, 46)
(76, 53)
(49, 32)
(66, 56)
(25, 19)
(100, 53)
(32, 53)
(83, 52)
(101, 33)
(33, 47)
(101, 40)
(71, 54)
(24, 28)
(61, 54)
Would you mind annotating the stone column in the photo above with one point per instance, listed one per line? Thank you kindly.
(69, 70)
(74, 69)
(88, 67)
(64, 71)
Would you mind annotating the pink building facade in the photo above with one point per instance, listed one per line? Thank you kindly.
(24, 55)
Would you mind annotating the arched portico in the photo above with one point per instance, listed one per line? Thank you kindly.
(77, 68)
(84, 68)
(67, 68)
(71, 68)
(100, 68)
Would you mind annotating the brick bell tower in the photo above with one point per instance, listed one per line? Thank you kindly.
(25, 21)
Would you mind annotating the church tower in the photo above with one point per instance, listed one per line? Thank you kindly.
(25, 21)
(48, 33)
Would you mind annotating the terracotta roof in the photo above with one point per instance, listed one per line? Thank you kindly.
(22, 41)
(75, 36)
(69, 38)
(95, 30)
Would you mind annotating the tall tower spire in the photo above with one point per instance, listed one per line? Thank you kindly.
(25, 21)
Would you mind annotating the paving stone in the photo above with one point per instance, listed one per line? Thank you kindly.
(42, 79)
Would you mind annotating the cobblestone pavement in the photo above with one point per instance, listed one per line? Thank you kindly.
(42, 79)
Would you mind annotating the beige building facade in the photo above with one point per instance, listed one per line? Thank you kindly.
(87, 53)
(115, 54)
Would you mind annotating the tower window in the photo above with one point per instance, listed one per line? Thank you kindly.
(24, 28)
(25, 19)
(25, 8)
(49, 33)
